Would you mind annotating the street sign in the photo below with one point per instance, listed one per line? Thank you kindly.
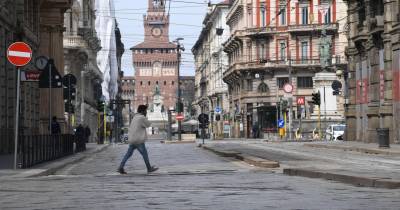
(281, 123)
(180, 117)
(336, 85)
(19, 54)
(288, 88)
(301, 100)
(217, 109)
(30, 76)
(50, 72)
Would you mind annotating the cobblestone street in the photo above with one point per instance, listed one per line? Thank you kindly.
(189, 178)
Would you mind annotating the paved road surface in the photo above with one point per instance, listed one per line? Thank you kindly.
(189, 178)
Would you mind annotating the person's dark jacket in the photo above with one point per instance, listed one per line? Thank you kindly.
(55, 128)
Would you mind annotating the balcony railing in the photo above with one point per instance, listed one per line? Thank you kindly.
(74, 42)
(313, 27)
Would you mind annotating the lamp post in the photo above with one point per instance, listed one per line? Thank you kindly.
(179, 48)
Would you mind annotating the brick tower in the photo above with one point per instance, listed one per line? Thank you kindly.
(155, 59)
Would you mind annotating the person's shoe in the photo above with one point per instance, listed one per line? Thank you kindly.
(121, 171)
(152, 169)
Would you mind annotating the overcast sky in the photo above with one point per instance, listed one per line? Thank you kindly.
(186, 21)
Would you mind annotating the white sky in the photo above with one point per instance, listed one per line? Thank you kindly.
(186, 18)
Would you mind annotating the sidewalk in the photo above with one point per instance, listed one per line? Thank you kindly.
(52, 166)
(338, 161)
(372, 148)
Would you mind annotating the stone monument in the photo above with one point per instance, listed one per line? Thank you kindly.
(157, 115)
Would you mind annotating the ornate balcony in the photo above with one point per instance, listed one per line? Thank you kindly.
(74, 42)
(313, 27)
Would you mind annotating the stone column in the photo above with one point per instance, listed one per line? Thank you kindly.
(51, 45)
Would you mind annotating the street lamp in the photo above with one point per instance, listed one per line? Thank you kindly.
(179, 48)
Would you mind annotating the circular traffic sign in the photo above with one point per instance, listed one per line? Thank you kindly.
(19, 53)
(288, 88)
(179, 117)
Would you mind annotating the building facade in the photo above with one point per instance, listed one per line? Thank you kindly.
(275, 42)
(211, 61)
(128, 93)
(155, 59)
(373, 70)
(188, 95)
(81, 46)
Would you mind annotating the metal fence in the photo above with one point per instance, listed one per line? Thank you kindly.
(37, 149)
(6, 141)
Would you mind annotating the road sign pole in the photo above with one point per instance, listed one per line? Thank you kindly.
(17, 119)
(50, 86)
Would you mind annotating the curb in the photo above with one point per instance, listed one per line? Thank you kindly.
(352, 148)
(347, 179)
(55, 166)
(252, 160)
(178, 142)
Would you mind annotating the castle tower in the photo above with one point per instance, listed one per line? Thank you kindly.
(155, 59)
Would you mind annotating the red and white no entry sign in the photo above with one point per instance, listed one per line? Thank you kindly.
(19, 53)
(288, 88)
(179, 117)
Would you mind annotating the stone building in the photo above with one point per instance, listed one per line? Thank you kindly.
(40, 24)
(211, 61)
(80, 50)
(373, 70)
(155, 59)
(128, 93)
(269, 39)
(188, 95)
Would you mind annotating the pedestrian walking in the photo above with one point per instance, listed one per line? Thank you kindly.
(55, 126)
(255, 130)
(80, 138)
(137, 136)
(87, 133)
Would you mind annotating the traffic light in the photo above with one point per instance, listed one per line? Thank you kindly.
(69, 108)
(179, 107)
(316, 98)
(69, 93)
(100, 106)
(217, 117)
(204, 121)
(284, 105)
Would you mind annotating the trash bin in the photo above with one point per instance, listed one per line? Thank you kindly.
(383, 137)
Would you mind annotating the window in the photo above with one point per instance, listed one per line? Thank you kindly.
(172, 83)
(282, 50)
(261, 53)
(304, 51)
(263, 88)
(165, 82)
(304, 15)
(156, 82)
(304, 82)
(249, 15)
(282, 13)
(328, 16)
(262, 15)
(249, 85)
(141, 83)
(282, 81)
(149, 83)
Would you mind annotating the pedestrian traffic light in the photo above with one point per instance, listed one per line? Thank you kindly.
(100, 105)
(316, 98)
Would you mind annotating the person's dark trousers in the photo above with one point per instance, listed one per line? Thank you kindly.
(143, 151)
